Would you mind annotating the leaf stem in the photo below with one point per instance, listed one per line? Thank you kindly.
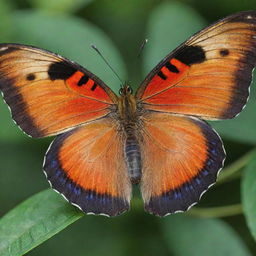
(227, 173)
(216, 212)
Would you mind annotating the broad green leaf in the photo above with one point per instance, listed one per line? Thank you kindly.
(34, 221)
(70, 37)
(249, 195)
(169, 25)
(6, 24)
(186, 235)
(96, 236)
(60, 6)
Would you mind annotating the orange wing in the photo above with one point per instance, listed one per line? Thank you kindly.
(49, 94)
(207, 76)
(181, 158)
(87, 166)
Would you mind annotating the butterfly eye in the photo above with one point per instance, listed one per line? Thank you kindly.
(121, 91)
(129, 90)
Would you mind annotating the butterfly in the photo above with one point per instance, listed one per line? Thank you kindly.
(157, 137)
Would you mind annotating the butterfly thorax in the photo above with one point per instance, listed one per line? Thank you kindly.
(128, 119)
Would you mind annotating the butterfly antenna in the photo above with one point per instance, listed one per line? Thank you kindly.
(142, 47)
(97, 50)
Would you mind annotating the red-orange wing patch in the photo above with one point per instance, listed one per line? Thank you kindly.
(49, 94)
(181, 158)
(207, 76)
(87, 166)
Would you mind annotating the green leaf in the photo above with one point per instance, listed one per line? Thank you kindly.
(169, 25)
(248, 195)
(34, 221)
(200, 237)
(6, 24)
(242, 128)
(59, 6)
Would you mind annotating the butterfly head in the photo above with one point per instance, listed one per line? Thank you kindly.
(125, 90)
(127, 103)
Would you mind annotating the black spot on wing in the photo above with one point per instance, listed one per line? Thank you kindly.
(162, 75)
(94, 86)
(190, 55)
(171, 67)
(31, 77)
(224, 52)
(83, 80)
(61, 70)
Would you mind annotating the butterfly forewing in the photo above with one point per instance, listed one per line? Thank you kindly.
(49, 94)
(207, 76)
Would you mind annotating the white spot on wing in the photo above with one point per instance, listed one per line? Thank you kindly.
(76, 205)
(4, 48)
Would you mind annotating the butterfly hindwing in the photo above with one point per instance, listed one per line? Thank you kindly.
(181, 159)
(87, 166)
(207, 76)
(47, 93)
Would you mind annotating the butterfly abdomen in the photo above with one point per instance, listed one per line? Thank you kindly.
(132, 156)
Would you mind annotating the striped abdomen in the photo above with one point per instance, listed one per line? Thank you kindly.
(133, 158)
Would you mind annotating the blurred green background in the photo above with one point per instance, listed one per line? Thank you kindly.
(118, 28)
